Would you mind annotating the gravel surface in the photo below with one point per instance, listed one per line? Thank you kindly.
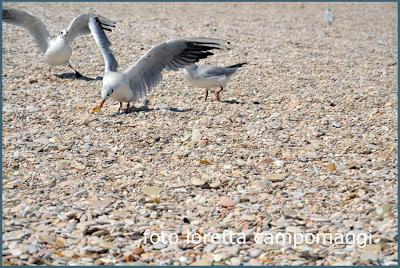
(304, 140)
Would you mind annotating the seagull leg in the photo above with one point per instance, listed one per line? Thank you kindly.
(217, 94)
(127, 108)
(77, 74)
(206, 94)
(120, 106)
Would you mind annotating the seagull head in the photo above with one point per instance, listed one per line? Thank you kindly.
(106, 93)
(113, 82)
(64, 33)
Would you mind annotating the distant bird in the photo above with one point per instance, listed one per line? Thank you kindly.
(207, 77)
(57, 51)
(140, 78)
(328, 16)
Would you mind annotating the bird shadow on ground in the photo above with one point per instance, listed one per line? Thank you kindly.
(145, 109)
(170, 109)
(239, 102)
(73, 76)
(232, 102)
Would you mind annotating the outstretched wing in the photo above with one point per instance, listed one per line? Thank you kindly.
(80, 25)
(146, 73)
(34, 25)
(103, 43)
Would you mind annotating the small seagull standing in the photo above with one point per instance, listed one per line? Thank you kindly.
(140, 78)
(57, 51)
(328, 16)
(207, 77)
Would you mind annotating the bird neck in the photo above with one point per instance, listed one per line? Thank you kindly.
(61, 40)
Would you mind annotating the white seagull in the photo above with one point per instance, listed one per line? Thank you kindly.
(57, 51)
(328, 16)
(140, 78)
(203, 76)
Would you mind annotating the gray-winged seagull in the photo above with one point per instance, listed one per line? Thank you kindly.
(203, 76)
(57, 51)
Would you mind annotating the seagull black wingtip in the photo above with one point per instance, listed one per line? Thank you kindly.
(237, 65)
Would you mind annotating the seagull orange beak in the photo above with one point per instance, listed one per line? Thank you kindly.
(102, 103)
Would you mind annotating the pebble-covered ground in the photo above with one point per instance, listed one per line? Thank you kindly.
(303, 142)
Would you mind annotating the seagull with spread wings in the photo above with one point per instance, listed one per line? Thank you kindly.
(140, 79)
(57, 51)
